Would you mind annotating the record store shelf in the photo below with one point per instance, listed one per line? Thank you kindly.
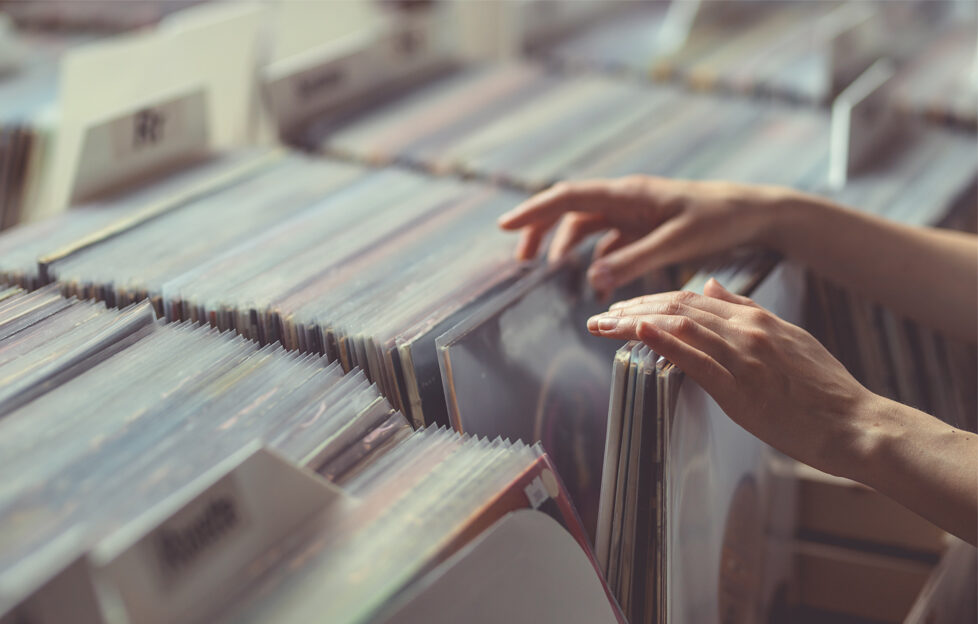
(268, 383)
(217, 452)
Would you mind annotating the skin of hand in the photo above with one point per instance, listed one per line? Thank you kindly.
(648, 222)
(779, 383)
(927, 274)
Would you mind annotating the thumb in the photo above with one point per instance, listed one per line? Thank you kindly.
(715, 289)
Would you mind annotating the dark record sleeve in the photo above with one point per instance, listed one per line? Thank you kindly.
(524, 367)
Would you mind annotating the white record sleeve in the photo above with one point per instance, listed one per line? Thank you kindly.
(718, 491)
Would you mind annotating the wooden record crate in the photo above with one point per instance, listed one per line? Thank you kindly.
(860, 558)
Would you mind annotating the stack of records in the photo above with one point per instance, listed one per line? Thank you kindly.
(941, 81)
(27, 98)
(370, 276)
(104, 413)
(133, 264)
(759, 48)
(406, 513)
(47, 339)
(520, 126)
(685, 491)
(302, 252)
(894, 356)
(26, 248)
(530, 340)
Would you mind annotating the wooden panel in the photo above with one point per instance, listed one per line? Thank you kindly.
(839, 507)
(865, 585)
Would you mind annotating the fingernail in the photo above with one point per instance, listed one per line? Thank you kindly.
(607, 323)
(592, 323)
(601, 278)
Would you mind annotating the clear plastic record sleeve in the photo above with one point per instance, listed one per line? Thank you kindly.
(524, 367)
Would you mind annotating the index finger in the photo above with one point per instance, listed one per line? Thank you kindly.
(545, 208)
(679, 298)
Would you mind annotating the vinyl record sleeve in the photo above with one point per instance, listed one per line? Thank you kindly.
(523, 368)
(710, 458)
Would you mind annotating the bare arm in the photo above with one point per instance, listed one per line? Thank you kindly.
(923, 464)
(927, 274)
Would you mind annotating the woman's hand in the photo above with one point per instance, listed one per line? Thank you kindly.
(771, 377)
(777, 382)
(649, 222)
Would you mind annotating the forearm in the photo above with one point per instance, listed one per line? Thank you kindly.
(922, 463)
(926, 274)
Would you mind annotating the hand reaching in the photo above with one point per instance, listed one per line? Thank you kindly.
(649, 222)
(771, 377)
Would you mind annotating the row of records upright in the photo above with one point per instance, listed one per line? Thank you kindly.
(350, 304)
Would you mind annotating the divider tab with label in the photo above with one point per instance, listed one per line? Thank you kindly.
(184, 556)
(132, 106)
(852, 41)
(341, 72)
(145, 141)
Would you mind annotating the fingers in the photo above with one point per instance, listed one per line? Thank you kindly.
(660, 247)
(703, 369)
(544, 209)
(574, 228)
(530, 241)
(706, 318)
(684, 328)
(719, 307)
(610, 242)
(699, 362)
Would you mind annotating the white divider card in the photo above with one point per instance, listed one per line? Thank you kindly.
(524, 569)
(863, 122)
(182, 558)
(853, 41)
(484, 30)
(503, 30)
(341, 71)
(296, 27)
(123, 84)
(719, 487)
(146, 141)
(677, 24)
(67, 596)
(219, 44)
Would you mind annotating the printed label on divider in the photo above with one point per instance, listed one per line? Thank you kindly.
(182, 559)
(146, 140)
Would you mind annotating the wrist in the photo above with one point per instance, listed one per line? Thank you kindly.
(782, 215)
(881, 432)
